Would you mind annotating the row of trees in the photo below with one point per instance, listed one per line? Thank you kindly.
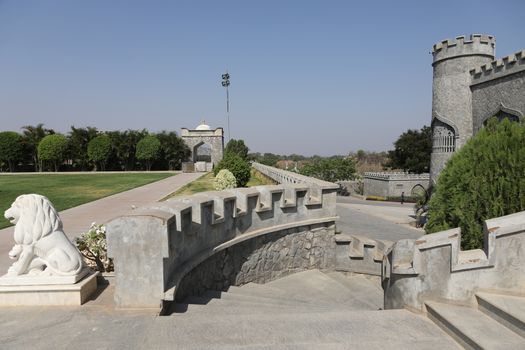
(84, 149)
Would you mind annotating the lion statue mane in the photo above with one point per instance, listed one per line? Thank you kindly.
(41, 247)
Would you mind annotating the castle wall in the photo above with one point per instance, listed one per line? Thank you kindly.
(392, 184)
(498, 86)
(451, 95)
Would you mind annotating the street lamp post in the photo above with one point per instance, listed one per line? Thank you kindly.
(226, 83)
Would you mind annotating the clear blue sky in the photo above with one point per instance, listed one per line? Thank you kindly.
(308, 77)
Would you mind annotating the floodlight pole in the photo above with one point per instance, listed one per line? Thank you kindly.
(226, 83)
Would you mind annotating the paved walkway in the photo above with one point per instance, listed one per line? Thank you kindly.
(78, 219)
(376, 220)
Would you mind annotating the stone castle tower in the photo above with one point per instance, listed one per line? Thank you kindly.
(451, 94)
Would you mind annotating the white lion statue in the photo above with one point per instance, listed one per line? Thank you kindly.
(41, 247)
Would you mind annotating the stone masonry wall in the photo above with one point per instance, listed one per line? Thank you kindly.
(263, 259)
(506, 93)
(392, 185)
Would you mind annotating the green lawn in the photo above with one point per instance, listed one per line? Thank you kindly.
(69, 190)
(205, 183)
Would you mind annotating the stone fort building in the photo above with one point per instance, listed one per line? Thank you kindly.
(470, 86)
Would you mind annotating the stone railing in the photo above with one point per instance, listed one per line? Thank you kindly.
(288, 177)
(444, 144)
(434, 266)
(395, 176)
(155, 247)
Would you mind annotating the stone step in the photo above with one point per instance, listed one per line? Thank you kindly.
(506, 309)
(233, 307)
(208, 301)
(269, 299)
(361, 289)
(266, 291)
(316, 285)
(471, 328)
(281, 296)
(399, 329)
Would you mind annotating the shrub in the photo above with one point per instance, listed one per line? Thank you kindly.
(99, 150)
(238, 167)
(224, 180)
(483, 180)
(53, 149)
(148, 150)
(10, 148)
(93, 247)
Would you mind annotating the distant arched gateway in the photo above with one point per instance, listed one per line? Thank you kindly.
(206, 145)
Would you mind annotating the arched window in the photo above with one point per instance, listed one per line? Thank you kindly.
(443, 137)
(501, 115)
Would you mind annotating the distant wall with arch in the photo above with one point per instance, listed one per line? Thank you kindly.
(387, 185)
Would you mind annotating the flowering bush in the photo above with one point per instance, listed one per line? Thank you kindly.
(93, 247)
(224, 180)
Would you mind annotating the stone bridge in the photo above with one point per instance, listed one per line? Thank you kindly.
(166, 250)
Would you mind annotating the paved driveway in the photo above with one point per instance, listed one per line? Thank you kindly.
(377, 220)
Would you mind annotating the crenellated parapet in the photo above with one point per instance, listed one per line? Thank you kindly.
(156, 246)
(435, 267)
(499, 68)
(475, 45)
(396, 176)
(360, 254)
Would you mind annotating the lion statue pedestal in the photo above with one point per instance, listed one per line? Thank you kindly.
(49, 269)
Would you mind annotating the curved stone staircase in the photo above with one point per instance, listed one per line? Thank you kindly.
(306, 310)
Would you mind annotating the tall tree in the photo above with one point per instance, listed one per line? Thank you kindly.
(124, 148)
(98, 150)
(78, 140)
(32, 136)
(148, 150)
(237, 147)
(53, 149)
(173, 150)
(412, 151)
(11, 150)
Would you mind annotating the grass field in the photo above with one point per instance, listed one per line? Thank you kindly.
(205, 183)
(69, 190)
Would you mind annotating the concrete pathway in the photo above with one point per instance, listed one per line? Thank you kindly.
(376, 220)
(306, 310)
(78, 219)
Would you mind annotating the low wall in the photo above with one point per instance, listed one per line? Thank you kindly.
(393, 184)
(288, 177)
(434, 266)
(360, 254)
(155, 247)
